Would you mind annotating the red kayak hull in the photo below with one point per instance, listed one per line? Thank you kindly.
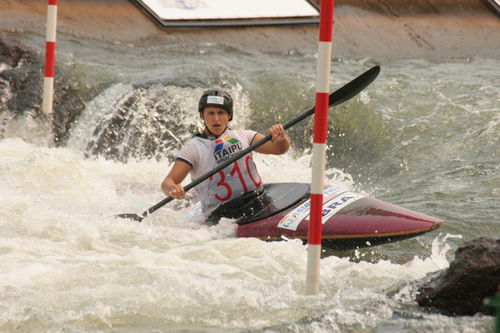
(350, 221)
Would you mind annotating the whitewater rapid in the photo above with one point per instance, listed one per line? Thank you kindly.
(69, 264)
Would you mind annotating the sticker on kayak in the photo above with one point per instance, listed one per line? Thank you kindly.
(293, 218)
(333, 201)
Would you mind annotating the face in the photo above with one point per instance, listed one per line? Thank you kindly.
(215, 119)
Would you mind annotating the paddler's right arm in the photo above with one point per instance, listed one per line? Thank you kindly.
(171, 185)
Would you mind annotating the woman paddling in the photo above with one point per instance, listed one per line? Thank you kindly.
(216, 144)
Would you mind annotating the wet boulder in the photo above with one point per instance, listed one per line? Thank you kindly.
(20, 77)
(472, 276)
(21, 88)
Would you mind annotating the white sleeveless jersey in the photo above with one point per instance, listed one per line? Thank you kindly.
(205, 154)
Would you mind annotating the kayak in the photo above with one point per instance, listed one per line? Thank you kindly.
(350, 220)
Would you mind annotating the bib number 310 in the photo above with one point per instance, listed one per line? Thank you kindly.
(226, 182)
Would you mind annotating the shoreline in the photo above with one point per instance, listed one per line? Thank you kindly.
(377, 29)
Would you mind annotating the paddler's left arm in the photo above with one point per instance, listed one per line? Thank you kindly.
(171, 185)
(279, 144)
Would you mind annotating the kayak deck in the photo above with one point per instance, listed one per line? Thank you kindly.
(350, 220)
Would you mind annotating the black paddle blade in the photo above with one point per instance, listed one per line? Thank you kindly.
(131, 216)
(354, 87)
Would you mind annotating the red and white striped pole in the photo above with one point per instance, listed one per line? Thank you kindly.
(319, 145)
(50, 57)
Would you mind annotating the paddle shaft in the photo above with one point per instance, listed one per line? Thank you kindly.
(341, 95)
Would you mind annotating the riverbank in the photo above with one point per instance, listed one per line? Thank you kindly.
(379, 29)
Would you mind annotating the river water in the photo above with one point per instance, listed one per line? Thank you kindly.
(424, 135)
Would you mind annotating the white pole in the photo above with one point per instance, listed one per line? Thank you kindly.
(319, 146)
(50, 57)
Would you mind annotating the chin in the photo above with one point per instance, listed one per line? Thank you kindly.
(217, 131)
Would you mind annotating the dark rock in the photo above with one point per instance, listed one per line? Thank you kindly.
(21, 78)
(128, 131)
(471, 277)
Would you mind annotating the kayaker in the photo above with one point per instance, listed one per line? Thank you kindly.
(214, 145)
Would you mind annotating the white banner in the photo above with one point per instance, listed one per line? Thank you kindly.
(229, 9)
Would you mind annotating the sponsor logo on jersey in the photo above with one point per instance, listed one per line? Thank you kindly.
(225, 148)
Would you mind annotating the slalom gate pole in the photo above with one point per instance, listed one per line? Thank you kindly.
(319, 145)
(50, 57)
